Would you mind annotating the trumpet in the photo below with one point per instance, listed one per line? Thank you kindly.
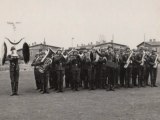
(128, 60)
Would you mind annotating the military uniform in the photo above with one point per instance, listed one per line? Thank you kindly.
(147, 68)
(153, 69)
(128, 70)
(141, 81)
(134, 70)
(117, 70)
(92, 71)
(59, 62)
(122, 70)
(103, 71)
(14, 75)
(43, 68)
(75, 62)
(84, 71)
(111, 58)
(68, 75)
(45, 79)
(36, 73)
(14, 70)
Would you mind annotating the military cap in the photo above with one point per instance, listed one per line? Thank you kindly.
(102, 50)
(85, 51)
(145, 48)
(154, 50)
(134, 50)
(13, 48)
(75, 51)
(127, 48)
(141, 48)
(110, 46)
(59, 49)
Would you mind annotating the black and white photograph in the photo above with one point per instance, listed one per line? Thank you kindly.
(79, 60)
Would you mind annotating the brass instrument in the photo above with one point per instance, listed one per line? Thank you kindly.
(155, 62)
(43, 67)
(143, 59)
(97, 57)
(46, 61)
(81, 56)
(128, 60)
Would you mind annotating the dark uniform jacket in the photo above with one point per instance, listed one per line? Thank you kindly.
(59, 62)
(14, 66)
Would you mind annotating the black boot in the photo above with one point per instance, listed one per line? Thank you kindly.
(13, 89)
(16, 88)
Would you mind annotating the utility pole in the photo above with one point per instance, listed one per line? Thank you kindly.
(144, 39)
(112, 39)
(72, 41)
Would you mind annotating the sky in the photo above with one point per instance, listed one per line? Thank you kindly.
(58, 21)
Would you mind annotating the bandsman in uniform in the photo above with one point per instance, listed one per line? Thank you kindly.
(134, 69)
(85, 65)
(36, 73)
(102, 69)
(81, 73)
(92, 70)
(140, 58)
(122, 69)
(37, 63)
(111, 58)
(117, 69)
(14, 70)
(154, 61)
(59, 62)
(127, 59)
(52, 75)
(67, 71)
(147, 66)
(43, 65)
(75, 62)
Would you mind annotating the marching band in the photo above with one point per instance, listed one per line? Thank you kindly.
(95, 69)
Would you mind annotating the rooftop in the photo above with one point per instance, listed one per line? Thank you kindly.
(111, 43)
(152, 43)
(40, 45)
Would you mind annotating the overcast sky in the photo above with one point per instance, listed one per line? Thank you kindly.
(59, 20)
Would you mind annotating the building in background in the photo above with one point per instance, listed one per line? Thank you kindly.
(115, 45)
(101, 44)
(85, 47)
(34, 49)
(151, 44)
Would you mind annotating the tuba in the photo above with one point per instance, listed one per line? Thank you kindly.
(47, 63)
(46, 60)
(128, 60)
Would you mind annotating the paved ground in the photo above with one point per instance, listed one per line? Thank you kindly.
(123, 104)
